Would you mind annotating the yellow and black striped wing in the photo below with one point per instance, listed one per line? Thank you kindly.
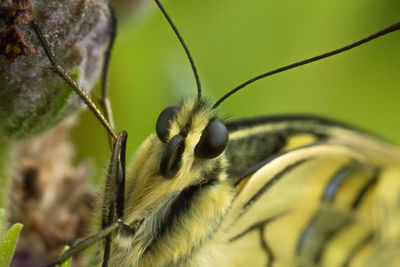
(321, 195)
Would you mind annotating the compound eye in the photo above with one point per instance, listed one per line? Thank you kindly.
(164, 121)
(213, 140)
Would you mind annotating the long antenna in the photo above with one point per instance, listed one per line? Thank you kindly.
(171, 23)
(385, 31)
(64, 75)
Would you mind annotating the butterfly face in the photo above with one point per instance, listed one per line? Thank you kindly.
(170, 198)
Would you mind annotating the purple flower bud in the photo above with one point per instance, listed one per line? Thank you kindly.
(32, 97)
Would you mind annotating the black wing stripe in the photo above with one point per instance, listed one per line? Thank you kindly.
(341, 223)
(322, 235)
(255, 168)
(353, 252)
(270, 183)
(261, 164)
(257, 225)
(327, 197)
(251, 122)
(261, 226)
(335, 182)
(369, 186)
(304, 236)
(267, 249)
(329, 236)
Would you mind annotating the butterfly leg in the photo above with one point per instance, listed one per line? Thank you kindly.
(114, 192)
(113, 204)
(82, 244)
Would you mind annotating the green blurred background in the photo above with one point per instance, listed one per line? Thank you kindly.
(232, 41)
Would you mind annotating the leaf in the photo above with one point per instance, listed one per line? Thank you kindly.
(8, 244)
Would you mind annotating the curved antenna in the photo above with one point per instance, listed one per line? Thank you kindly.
(385, 31)
(171, 23)
(65, 76)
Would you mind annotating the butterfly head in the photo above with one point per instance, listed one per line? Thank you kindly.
(191, 134)
(174, 175)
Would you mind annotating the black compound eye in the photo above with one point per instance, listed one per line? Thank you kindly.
(164, 121)
(213, 141)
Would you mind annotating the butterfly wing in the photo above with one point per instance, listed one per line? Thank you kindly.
(387, 227)
(322, 200)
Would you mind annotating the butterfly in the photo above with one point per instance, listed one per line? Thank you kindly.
(268, 191)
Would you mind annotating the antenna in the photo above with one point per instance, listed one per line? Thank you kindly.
(385, 31)
(171, 23)
(64, 75)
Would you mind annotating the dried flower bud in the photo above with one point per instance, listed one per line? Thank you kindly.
(50, 196)
(32, 96)
(12, 43)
